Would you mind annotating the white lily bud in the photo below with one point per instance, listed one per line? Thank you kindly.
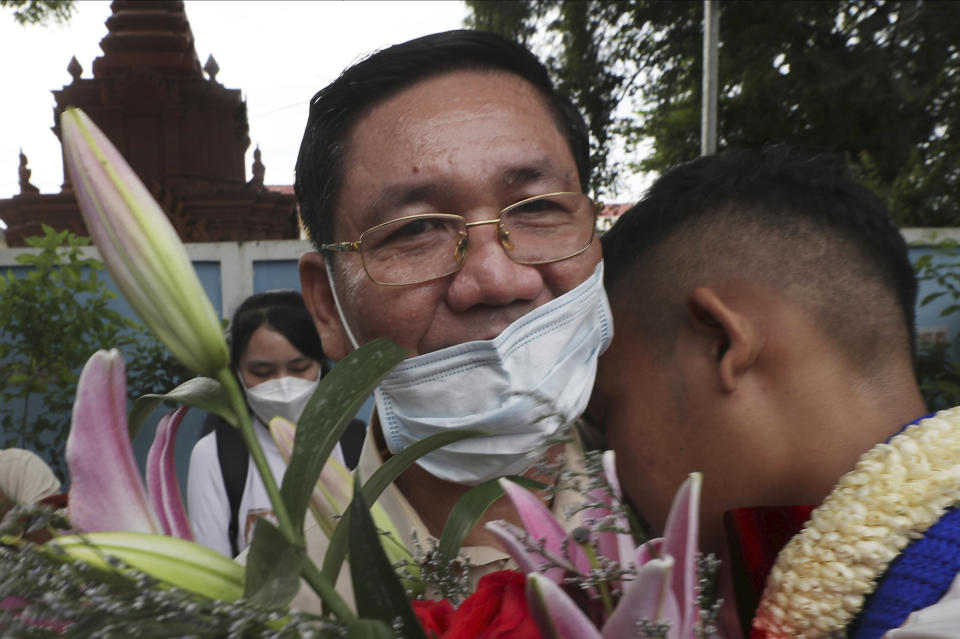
(140, 247)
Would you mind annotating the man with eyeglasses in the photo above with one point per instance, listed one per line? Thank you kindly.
(442, 181)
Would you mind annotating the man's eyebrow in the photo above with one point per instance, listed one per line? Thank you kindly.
(398, 196)
(523, 175)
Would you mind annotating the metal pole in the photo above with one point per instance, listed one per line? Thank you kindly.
(708, 118)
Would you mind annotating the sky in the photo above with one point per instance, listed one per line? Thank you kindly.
(278, 53)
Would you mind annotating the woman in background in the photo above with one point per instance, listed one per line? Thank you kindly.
(276, 355)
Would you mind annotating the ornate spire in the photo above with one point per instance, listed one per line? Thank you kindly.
(212, 68)
(153, 34)
(74, 69)
(258, 169)
(25, 186)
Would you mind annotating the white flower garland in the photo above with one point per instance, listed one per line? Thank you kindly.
(892, 496)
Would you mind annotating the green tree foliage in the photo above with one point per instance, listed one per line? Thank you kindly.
(937, 366)
(31, 12)
(582, 65)
(53, 315)
(878, 82)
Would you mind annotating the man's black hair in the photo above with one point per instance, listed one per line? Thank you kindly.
(800, 223)
(335, 108)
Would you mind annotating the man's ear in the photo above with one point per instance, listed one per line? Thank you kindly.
(319, 300)
(735, 338)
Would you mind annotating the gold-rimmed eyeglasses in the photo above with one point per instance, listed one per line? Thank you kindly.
(419, 248)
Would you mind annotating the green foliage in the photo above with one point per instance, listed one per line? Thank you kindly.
(326, 416)
(378, 482)
(378, 592)
(580, 65)
(877, 82)
(150, 366)
(35, 12)
(53, 316)
(937, 365)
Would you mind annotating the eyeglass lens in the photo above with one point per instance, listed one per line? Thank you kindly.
(425, 247)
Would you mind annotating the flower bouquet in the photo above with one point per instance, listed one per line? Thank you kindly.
(123, 562)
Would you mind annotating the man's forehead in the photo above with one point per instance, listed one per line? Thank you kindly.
(433, 124)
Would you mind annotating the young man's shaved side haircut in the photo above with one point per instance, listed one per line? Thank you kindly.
(798, 224)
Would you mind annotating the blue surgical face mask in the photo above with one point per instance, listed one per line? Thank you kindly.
(519, 387)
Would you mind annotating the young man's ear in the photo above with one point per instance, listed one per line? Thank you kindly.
(734, 339)
(319, 300)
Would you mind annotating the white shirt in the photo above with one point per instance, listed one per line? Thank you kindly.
(207, 496)
(939, 621)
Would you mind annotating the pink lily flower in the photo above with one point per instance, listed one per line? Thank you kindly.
(606, 529)
(659, 579)
(107, 492)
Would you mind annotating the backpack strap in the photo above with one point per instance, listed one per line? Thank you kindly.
(234, 462)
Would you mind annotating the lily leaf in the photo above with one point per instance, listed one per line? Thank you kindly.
(385, 475)
(327, 414)
(469, 510)
(204, 393)
(376, 588)
(273, 567)
(333, 493)
(369, 629)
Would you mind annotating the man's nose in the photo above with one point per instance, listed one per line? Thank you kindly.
(488, 275)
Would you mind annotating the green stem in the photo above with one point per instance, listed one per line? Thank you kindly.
(602, 586)
(331, 598)
(284, 523)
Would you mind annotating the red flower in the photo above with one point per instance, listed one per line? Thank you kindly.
(434, 616)
(497, 610)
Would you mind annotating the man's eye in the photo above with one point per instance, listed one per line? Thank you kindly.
(416, 228)
(542, 205)
(410, 234)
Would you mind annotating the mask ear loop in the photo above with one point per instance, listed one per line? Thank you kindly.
(328, 263)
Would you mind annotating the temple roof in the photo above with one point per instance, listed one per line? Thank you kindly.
(185, 135)
(154, 34)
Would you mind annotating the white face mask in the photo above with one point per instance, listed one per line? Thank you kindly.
(512, 387)
(280, 397)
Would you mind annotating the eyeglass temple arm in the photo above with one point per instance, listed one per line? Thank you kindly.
(340, 247)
